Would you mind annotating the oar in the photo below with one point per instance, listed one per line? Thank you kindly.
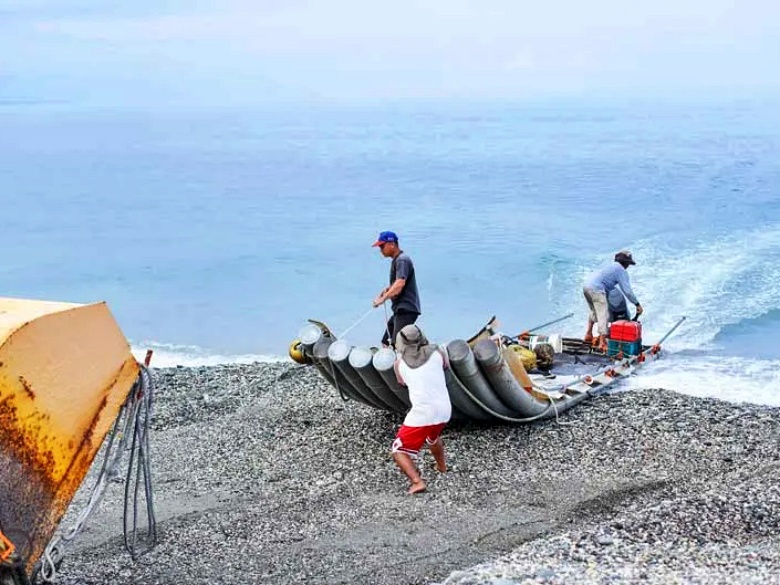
(553, 322)
(657, 346)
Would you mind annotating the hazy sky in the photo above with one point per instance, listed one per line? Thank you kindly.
(252, 50)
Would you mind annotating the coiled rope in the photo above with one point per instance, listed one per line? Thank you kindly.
(141, 449)
(131, 425)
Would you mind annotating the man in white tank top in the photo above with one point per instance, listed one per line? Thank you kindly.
(420, 366)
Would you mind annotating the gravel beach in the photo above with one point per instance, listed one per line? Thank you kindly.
(263, 474)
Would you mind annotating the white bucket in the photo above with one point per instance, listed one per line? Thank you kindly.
(555, 340)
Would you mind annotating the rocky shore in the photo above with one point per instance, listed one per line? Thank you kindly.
(264, 475)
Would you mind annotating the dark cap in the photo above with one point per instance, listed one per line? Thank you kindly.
(624, 257)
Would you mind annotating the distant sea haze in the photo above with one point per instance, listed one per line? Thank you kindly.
(214, 235)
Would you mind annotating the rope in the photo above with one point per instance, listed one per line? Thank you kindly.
(387, 327)
(143, 476)
(336, 381)
(135, 414)
(332, 367)
(356, 323)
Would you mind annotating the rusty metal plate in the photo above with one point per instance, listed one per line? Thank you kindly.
(65, 371)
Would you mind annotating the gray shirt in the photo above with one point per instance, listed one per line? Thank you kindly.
(409, 299)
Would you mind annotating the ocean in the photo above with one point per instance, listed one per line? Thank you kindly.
(214, 234)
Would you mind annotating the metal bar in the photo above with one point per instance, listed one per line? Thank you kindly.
(553, 322)
(668, 333)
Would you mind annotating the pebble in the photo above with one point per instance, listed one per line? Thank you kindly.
(263, 474)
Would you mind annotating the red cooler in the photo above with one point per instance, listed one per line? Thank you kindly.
(626, 331)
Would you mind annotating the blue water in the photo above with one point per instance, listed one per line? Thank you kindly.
(214, 234)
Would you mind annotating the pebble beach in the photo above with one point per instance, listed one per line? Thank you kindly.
(263, 474)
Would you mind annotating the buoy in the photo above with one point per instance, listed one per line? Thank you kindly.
(296, 353)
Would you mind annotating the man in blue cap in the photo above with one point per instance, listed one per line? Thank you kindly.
(402, 290)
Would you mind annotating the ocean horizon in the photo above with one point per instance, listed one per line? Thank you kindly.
(215, 233)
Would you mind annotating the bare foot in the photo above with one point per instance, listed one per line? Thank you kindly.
(440, 468)
(417, 487)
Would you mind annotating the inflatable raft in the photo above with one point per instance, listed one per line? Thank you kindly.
(492, 377)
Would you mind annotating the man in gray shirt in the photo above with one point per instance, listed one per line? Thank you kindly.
(402, 290)
(599, 285)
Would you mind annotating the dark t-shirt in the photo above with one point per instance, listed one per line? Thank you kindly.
(409, 299)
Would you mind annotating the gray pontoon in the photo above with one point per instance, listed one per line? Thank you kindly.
(486, 380)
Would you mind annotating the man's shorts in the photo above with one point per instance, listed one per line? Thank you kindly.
(410, 440)
(597, 303)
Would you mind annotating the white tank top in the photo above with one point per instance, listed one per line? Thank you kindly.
(427, 392)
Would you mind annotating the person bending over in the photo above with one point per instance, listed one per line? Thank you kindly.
(420, 367)
(598, 286)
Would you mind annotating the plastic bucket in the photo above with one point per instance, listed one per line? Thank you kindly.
(555, 340)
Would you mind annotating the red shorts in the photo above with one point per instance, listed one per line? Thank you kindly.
(410, 440)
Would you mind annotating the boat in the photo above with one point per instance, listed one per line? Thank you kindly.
(493, 377)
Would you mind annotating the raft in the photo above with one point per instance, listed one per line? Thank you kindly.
(492, 378)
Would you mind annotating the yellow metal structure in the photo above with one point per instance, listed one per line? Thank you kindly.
(65, 370)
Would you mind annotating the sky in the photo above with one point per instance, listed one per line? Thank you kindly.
(246, 51)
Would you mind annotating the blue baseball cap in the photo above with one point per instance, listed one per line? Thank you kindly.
(385, 237)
